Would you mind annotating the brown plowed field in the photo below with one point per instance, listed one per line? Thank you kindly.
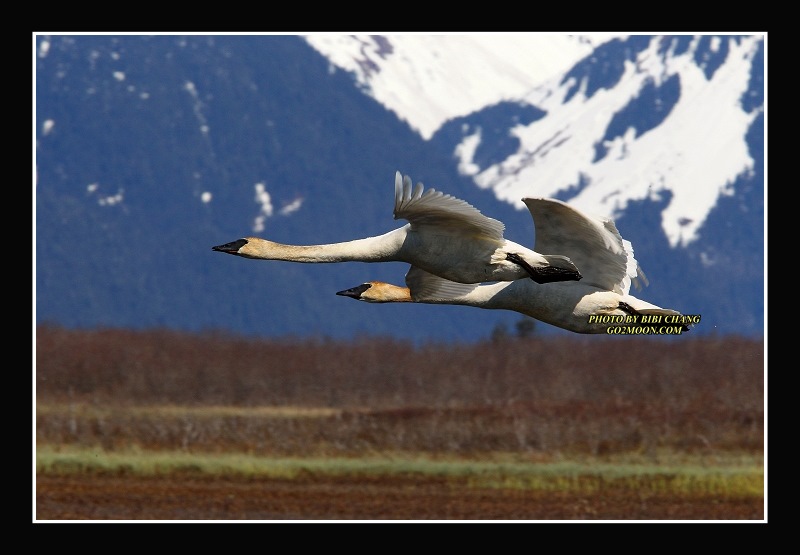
(83, 497)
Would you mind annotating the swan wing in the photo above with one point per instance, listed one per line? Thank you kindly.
(426, 287)
(593, 243)
(431, 208)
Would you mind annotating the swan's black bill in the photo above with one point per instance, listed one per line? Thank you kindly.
(354, 292)
(548, 274)
(232, 247)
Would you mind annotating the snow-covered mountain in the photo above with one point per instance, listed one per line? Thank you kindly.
(622, 118)
(428, 80)
(151, 149)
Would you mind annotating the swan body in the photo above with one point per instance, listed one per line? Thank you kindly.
(569, 306)
(599, 301)
(444, 236)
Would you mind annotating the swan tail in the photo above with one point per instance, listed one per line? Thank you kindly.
(685, 324)
(658, 312)
(638, 307)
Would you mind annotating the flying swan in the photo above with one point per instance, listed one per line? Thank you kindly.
(444, 236)
(606, 261)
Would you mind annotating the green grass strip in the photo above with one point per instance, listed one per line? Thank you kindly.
(739, 478)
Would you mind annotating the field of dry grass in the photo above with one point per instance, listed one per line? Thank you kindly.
(524, 399)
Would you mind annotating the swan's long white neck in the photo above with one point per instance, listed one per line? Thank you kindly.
(382, 248)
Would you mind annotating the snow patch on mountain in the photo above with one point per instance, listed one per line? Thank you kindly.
(625, 118)
(429, 79)
(695, 153)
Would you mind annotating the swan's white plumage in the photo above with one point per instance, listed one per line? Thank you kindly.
(606, 261)
(425, 287)
(440, 211)
(444, 235)
(593, 243)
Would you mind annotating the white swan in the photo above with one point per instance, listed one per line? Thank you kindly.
(600, 300)
(445, 236)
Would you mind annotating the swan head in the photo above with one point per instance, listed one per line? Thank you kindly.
(232, 247)
(377, 292)
(248, 247)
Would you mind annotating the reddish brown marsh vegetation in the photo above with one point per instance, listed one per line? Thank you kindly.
(537, 398)
(590, 395)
